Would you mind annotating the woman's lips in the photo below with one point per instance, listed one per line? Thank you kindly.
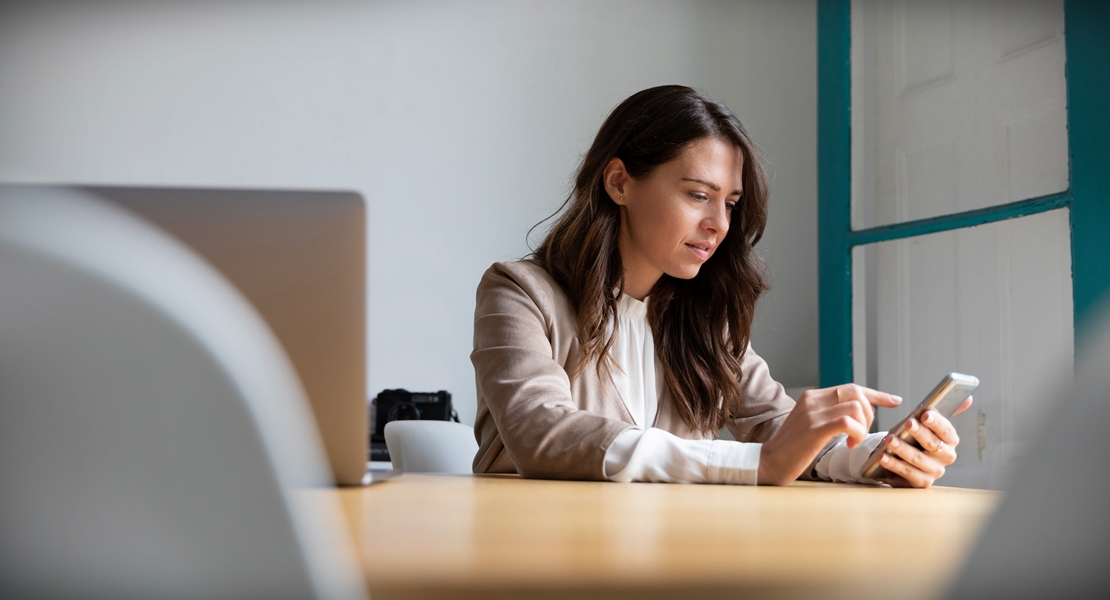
(701, 251)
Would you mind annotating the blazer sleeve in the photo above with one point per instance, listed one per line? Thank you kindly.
(764, 405)
(526, 389)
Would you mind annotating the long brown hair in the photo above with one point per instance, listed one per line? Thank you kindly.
(701, 325)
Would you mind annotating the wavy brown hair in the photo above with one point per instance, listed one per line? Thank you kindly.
(701, 325)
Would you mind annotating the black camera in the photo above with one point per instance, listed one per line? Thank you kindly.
(403, 405)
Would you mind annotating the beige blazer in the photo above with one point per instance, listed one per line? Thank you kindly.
(533, 420)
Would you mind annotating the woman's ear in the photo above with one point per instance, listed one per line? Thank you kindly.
(616, 180)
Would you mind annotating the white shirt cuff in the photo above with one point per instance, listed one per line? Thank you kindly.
(843, 464)
(660, 456)
(734, 462)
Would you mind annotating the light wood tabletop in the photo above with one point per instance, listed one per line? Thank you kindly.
(430, 536)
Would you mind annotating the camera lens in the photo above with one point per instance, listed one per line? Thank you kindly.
(403, 411)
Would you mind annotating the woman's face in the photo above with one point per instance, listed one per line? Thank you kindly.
(674, 219)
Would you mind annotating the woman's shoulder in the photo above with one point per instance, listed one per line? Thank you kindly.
(522, 269)
(524, 279)
(525, 274)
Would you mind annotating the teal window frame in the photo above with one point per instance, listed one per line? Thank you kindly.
(1087, 44)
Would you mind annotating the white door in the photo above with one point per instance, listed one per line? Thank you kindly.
(959, 106)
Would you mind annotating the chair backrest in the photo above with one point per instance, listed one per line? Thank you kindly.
(431, 446)
(1050, 536)
(156, 441)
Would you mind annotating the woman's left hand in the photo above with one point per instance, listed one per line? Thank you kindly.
(920, 468)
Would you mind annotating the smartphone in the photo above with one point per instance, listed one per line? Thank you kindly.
(949, 394)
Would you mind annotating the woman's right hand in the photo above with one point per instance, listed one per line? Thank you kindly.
(817, 417)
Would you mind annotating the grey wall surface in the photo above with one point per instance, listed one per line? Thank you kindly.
(459, 122)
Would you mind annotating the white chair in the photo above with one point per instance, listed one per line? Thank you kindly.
(431, 446)
(156, 441)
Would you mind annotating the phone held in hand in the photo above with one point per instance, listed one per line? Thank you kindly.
(949, 394)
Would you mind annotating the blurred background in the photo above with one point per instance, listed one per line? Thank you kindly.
(460, 123)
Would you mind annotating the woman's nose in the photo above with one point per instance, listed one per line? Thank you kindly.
(717, 219)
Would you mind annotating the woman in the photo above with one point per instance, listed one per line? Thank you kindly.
(621, 347)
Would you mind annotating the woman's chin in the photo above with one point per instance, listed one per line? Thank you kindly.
(686, 272)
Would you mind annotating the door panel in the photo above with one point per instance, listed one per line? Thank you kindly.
(960, 106)
(993, 301)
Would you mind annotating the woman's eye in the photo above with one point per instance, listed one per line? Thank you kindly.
(699, 197)
(730, 206)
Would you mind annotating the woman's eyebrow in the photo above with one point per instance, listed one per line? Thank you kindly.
(711, 186)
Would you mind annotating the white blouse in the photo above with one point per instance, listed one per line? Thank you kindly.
(646, 453)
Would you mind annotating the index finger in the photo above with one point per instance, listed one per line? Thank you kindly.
(871, 396)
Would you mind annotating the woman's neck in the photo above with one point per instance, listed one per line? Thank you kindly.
(639, 275)
(637, 289)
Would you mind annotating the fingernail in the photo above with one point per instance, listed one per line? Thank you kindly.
(911, 425)
(897, 399)
(885, 459)
(894, 442)
(928, 418)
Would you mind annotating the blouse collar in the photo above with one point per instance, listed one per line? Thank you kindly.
(632, 308)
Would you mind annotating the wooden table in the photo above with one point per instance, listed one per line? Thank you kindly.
(431, 536)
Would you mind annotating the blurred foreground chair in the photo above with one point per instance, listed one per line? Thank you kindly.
(431, 446)
(156, 441)
(1050, 537)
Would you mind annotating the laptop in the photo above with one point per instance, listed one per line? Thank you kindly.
(300, 258)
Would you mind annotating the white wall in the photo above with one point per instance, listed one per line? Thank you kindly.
(459, 122)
